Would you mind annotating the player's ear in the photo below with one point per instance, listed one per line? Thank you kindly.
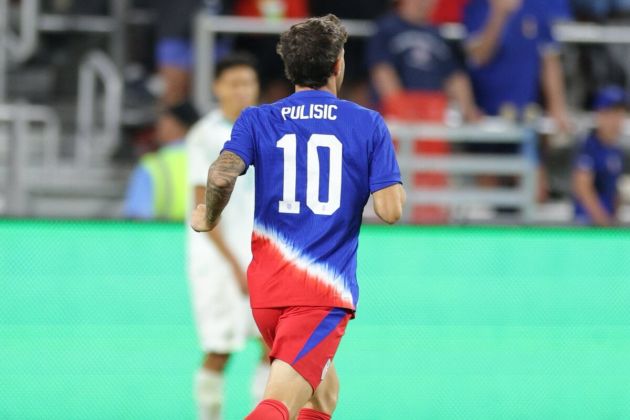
(338, 66)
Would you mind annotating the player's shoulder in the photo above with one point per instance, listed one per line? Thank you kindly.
(210, 124)
(214, 117)
(252, 113)
(360, 113)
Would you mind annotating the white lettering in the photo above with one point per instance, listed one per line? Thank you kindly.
(330, 115)
(303, 116)
(318, 111)
(295, 113)
(314, 112)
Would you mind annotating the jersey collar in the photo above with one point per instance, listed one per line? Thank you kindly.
(313, 93)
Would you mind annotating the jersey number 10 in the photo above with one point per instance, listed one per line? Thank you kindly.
(289, 144)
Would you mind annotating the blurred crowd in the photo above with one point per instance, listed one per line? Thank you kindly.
(165, 47)
(507, 65)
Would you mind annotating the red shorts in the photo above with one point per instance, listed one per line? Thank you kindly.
(305, 337)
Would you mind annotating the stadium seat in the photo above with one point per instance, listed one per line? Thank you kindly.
(419, 107)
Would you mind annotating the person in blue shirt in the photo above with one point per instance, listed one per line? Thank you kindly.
(512, 56)
(598, 164)
(157, 188)
(407, 53)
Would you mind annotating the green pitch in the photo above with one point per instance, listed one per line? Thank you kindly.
(470, 323)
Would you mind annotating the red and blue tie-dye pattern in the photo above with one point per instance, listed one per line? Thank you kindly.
(280, 275)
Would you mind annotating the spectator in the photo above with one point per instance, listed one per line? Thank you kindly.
(599, 162)
(407, 53)
(174, 49)
(512, 55)
(157, 188)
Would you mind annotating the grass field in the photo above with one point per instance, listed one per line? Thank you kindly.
(470, 323)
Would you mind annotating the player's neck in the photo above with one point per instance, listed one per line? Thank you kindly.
(230, 114)
(330, 87)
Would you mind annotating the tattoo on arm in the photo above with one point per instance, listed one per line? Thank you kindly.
(221, 179)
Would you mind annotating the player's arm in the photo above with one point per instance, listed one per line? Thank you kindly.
(388, 203)
(586, 194)
(554, 90)
(483, 47)
(385, 80)
(221, 179)
(459, 88)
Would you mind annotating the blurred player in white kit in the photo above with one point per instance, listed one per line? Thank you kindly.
(217, 261)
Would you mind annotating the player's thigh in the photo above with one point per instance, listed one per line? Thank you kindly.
(287, 385)
(327, 393)
(307, 338)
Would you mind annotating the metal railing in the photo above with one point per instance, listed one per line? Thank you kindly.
(522, 164)
(16, 47)
(33, 133)
(21, 46)
(208, 26)
(23, 120)
(92, 140)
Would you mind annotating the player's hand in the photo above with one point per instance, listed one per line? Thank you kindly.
(199, 220)
(603, 220)
(563, 121)
(472, 115)
(505, 7)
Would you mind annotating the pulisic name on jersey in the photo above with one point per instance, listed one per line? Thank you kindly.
(310, 112)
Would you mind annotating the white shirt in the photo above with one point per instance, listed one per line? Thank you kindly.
(204, 144)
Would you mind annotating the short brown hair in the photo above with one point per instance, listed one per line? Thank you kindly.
(310, 49)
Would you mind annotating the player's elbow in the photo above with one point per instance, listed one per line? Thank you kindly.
(390, 215)
(388, 204)
(477, 54)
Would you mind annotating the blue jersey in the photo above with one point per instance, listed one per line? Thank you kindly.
(512, 76)
(317, 160)
(605, 163)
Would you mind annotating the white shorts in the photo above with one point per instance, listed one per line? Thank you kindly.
(222, 313)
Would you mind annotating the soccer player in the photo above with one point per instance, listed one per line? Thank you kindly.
(217, 261)
(317, 160)
(599, 162)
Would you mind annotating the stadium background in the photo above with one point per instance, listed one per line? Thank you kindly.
(485, 316)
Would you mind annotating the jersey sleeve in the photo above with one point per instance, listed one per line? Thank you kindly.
(584, 160)
(241, 141)
(383, 166)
